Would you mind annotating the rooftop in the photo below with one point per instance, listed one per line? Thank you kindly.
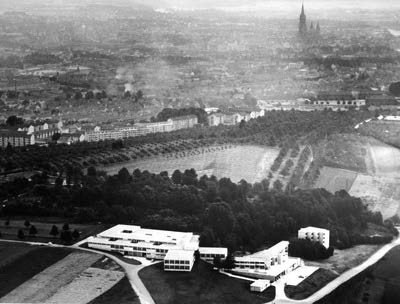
(179, 255)
(131, 232)
(313, 229)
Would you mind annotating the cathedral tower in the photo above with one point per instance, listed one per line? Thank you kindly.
(303, 22)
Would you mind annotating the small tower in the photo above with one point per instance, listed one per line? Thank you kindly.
(318, 29)
(311, 26)
(302, 22)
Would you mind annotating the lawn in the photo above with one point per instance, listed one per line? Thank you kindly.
(43, 226)
(334, 179)
(345, 259)
(201, 285)
(26, 265)
(121, 293)
(310, 285)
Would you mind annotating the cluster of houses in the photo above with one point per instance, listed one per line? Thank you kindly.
(42, 133)
(232, 117)
(177, 250)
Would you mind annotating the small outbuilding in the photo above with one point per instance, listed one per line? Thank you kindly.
(260, 285)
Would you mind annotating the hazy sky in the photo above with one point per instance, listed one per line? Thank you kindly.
(228, 5)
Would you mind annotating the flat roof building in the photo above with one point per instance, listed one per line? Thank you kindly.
(179, 260)
(315, 234)
(209, 253)
(268, 264)
(174, 247)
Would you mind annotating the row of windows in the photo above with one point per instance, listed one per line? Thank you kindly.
(168, 267)
(176, 262)
(251, 267)
(212, 255)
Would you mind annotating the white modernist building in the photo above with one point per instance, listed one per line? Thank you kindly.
(175, 248)
(179, 260)
(315, 234)
(209, 253)
(268, 264)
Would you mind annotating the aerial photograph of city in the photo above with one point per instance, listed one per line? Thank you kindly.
(200, 151)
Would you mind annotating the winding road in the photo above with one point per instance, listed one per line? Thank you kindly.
(281, 298)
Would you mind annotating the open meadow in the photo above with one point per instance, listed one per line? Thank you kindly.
(250, 163)
(378, 187)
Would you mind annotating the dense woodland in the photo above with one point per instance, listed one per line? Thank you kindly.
(240, 216)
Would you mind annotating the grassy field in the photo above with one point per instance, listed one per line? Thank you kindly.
(378, 284)
(120, 293)
(43, 227)
(251, 163)
(310, 285)
(27, 265)
(334, 179)
(345, 259)
(201, 285)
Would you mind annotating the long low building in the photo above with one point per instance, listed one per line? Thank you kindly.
(268, 264)
(175, 248)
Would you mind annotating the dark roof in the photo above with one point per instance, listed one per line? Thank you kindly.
(13, 133)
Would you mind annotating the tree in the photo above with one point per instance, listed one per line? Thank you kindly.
(54, 231)
(197, 255)
(14, 121)
(91, 171)
(27, 223)
(65, 227)
(394, 88)
(177, 177)
(20, 234)
(7, 223)
(89, 95)
(56, 136)
(217, 262)
(66, 236)
(75, 234)
(229, 262)
(78, 95)
(32, 230)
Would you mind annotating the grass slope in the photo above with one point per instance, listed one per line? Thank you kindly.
(201, 285)
(28, 265)
(121, 293)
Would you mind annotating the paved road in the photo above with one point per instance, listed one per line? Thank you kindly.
(281, 298)
(131, 270)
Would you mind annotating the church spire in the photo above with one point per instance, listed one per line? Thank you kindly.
(302, 22)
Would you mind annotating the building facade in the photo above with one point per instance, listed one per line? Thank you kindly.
(16, 138)
(315, 234)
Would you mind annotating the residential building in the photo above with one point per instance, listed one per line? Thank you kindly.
(179, 260)
(209, 253)
(16, 138)
(268, 264)
(315, 234)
